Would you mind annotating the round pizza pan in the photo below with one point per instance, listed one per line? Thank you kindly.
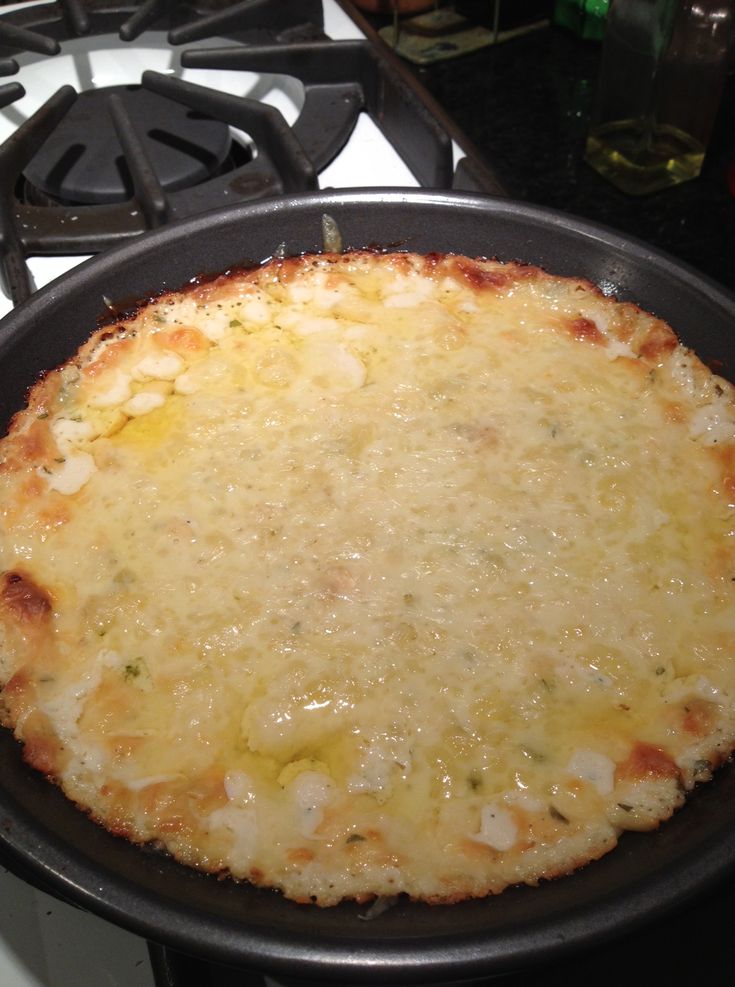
(46, 839)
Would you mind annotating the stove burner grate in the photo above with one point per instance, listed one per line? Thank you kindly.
(57, 195)
(80, 162)
(39, 216)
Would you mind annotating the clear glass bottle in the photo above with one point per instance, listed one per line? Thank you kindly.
(664, 64)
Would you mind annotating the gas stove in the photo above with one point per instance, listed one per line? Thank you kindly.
(122, 117)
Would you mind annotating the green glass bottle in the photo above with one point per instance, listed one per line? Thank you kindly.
(585, 18)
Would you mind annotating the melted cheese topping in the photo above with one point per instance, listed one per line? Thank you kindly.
(364, 574)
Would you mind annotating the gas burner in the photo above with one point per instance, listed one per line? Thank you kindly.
(83, 161)
(261, 105)
(86, 171)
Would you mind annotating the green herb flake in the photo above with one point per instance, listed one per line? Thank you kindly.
(42, 414)
(355, 838)
(533, 754)
(235, 324)
(555, 814)
(132, 670)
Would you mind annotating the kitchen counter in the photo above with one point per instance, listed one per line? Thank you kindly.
(525, 103)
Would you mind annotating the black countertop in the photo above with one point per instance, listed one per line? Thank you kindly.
(525, 104)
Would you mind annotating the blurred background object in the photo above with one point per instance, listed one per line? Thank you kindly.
(528, 105)
(389, 6)
(585, 17)
(664, 64)
(449, 30)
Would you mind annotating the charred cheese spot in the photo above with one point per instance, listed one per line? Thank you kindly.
(187, 341)
(699, 717)
(480, 278)
(585, 330)
(659, 343)
(108, 355)
(646, 760)
(26, 602)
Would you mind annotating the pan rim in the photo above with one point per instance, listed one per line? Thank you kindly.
(349, 958)
(544, 216)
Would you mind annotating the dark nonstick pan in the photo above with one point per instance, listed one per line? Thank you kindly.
(43, 837)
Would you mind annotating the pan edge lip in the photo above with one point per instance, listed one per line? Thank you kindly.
(454, 955)
(438, 198)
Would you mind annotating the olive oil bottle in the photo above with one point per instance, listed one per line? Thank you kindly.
(663, 67)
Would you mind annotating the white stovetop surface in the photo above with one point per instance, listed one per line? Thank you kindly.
(43, 942)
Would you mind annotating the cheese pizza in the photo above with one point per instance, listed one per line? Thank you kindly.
(363, 574)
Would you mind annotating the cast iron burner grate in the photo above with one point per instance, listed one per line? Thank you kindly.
(75, 165)
(66, 191)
